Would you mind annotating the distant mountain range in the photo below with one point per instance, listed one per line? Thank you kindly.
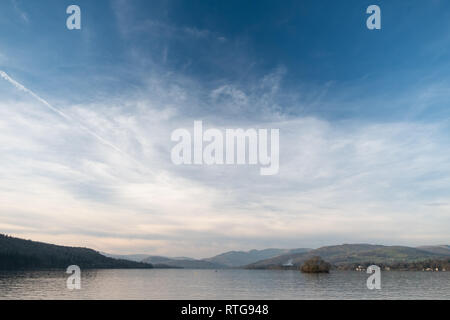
(349, 254)
(185, 263)
(17, 254)
(231, 259)
(341, 256)
(345, 255)
(235, 259)
(166, 262)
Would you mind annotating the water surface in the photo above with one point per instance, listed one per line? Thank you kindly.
(223, 284)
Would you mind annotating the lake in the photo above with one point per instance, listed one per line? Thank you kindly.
(175, 284)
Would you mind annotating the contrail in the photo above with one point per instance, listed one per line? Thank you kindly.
(21, 87)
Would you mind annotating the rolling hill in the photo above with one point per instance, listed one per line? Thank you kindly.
(166, 262)
(351, 254)
(443, 250)
(243, 258)
(231, 259)
(129, 257)
(184, 263)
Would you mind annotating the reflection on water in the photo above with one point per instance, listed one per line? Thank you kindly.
(222, 284)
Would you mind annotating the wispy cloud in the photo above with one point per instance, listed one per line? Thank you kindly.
(67, 117)
(23, 15)
(348, 181)
(361, 160)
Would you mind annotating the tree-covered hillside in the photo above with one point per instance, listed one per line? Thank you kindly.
(17, 254)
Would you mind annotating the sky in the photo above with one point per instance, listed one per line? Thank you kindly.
(86, 118)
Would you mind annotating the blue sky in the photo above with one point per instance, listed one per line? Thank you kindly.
(363, 118)
(320, 45)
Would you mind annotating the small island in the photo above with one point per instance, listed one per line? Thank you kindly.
(315, 265)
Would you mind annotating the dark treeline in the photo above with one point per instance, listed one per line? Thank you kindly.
(425, 265)
(17, 254)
